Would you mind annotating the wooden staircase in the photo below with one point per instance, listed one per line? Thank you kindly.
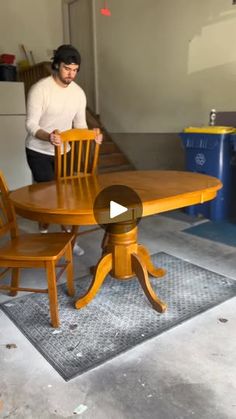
(111, 158)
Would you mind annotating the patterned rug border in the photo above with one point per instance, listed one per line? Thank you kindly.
(149, 335)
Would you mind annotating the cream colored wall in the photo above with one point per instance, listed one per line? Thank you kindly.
(35, 23)
(152, 151)
(164, 64)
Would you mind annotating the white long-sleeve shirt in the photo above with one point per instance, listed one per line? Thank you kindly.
(50, 107)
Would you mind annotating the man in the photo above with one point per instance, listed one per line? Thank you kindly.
(55, 103)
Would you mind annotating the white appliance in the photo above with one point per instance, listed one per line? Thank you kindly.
(13, 162)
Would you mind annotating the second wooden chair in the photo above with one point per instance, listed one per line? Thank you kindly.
(81, 160)
(48, 251)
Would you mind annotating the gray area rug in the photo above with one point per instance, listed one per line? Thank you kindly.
(119, 317)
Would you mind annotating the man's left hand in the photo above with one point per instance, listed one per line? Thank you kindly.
(99, 135)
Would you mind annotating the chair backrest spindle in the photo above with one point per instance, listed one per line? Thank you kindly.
(79, 157)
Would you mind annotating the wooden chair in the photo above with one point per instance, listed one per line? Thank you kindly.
(33, 251)
(83, 156)
(81, 161)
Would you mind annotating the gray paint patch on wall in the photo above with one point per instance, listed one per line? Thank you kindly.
(161, 151)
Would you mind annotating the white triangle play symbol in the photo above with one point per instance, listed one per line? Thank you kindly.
(116, 209)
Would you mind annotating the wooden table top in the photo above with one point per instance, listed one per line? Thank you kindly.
(71, 201)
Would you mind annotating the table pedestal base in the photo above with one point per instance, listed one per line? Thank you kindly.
(124, 258)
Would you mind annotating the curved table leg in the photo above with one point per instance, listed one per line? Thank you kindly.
(144, 254)
(104, 266)
(142, 275)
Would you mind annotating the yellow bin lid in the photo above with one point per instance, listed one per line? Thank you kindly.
(211, 129)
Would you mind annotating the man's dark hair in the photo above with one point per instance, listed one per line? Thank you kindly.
(65, 54)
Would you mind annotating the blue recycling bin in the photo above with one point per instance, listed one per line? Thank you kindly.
(233, 141)
(209, 150)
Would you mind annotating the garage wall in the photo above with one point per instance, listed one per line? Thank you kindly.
(164, 64)
(35, 23)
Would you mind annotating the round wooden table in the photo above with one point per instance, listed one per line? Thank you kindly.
(70, 201)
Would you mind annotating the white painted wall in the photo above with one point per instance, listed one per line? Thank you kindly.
(12, 135)
(35, 23)
(164, 64)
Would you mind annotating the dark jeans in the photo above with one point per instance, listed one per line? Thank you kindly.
(41, 165)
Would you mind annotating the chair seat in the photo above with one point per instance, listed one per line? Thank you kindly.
(35, 247)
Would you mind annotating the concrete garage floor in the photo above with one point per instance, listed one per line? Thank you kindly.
(187, 372)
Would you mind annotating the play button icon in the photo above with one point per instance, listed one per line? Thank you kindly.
(117, 204)
(116, 209)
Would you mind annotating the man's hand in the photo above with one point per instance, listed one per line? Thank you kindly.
(55, 138)
(99, 136)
